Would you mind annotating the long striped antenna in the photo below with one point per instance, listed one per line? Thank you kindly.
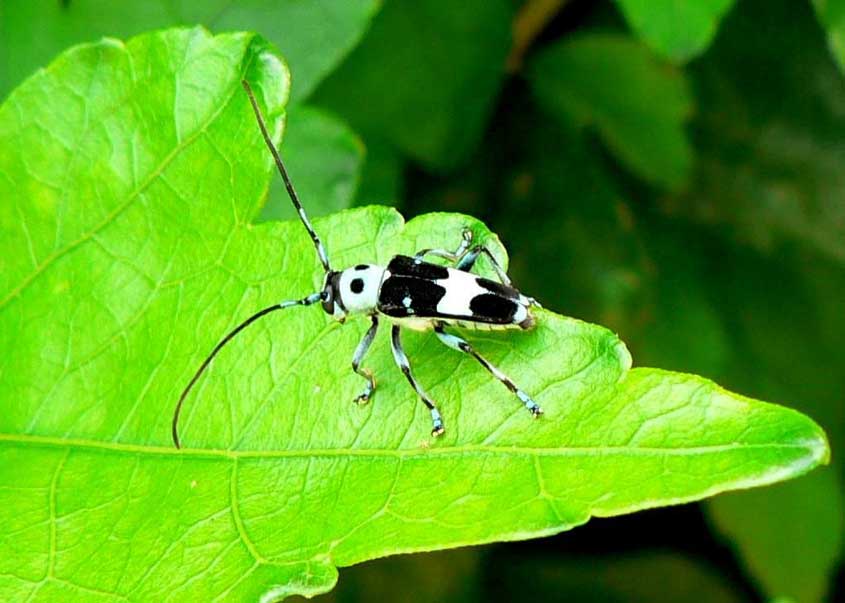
(321, 250)
(305, 301)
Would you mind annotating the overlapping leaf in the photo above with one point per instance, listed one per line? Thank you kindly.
(638, 105)
(121, 268)
(678, 29)
(313, 36)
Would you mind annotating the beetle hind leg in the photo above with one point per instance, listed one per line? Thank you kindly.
(405, 366)
(360, 352)
(467, 262)
(462, 345)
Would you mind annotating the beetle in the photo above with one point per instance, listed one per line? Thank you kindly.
(409, 292)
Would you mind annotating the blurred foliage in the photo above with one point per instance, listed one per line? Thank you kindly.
(313, 36)
(697, 209)
(611, 81)
(677, 29)
(425, 77)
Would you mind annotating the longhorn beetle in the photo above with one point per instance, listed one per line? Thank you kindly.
(409, 292)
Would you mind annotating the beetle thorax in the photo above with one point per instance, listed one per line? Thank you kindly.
(356, 289)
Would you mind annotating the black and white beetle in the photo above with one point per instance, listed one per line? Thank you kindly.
(409, 292)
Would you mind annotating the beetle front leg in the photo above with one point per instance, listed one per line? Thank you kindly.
(360, 351)
(405, 366)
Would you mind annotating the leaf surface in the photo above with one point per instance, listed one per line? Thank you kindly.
(121, 269)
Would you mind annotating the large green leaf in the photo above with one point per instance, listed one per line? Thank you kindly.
(678, 29)
(638, 105)
(120, 269)
(314, 36)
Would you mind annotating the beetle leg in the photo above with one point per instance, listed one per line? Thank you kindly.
(405, 366)
(468, 260)
(360, 351)
(457, 343)
(452, 256)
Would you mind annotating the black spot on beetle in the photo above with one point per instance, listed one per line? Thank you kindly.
(396, 289)
(497, 288)
(402, 265)
(361, 267)
(492, 308)
(357, 285)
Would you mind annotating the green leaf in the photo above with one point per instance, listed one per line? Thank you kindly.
(831, 14)
(314, 36)
(324, 158)
(121, 268)
(677, 29)
(433, 105)
(638, 105)
(768, 529)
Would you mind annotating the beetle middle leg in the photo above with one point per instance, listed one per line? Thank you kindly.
(462, 345)
(360, 351)
(465, 257)
(405, 366)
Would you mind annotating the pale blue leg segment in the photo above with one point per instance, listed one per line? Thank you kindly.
(456, 343)
(452, 256)
(360, 352)
(468, 261)
(405, 366)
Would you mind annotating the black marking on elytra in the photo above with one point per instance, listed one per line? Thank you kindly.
(489, 307)
(361, 267)
(497, 288)
(357, 285)
(424, 294)
(402, 265)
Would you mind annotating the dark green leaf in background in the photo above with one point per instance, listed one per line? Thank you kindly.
(425, 78)
(638, 105)
(313, 36)
(677, 29)
(771, 172)
(831, 14)
(790, 537)
(133, 267)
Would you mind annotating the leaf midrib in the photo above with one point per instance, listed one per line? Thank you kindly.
(116, 447)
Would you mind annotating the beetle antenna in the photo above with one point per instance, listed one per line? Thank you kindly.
(306, 301)
(321, 250)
